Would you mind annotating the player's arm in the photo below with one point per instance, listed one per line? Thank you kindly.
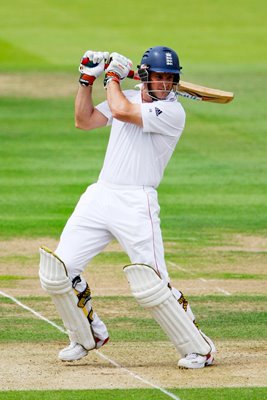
(87, 117)
(121, 108)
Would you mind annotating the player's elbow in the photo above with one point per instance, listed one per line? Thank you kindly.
(81, 123)
(80, 126)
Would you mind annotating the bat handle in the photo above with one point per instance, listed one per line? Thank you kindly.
(132, 74)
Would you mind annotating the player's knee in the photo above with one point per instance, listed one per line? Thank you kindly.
(72, 266)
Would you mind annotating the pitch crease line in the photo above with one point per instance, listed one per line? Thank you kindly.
(223, 291)
(101, 355)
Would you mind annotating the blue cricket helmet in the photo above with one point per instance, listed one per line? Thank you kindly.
(159, 59)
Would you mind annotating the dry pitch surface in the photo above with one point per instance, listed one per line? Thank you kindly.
(29, 365)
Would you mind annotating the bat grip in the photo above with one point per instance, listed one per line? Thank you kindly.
(132, 74)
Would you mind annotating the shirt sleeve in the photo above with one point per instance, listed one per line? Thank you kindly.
(105, 110)
(166, 118)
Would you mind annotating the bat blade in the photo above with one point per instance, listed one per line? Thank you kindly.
(205, 93)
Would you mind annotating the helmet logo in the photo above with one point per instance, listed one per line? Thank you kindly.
(169, 58)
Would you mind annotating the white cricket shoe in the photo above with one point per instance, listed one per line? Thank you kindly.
(73, 352)
(194, 360)
(76, 351)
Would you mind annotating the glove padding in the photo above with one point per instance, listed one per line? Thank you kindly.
(92, 65)
(119, 66)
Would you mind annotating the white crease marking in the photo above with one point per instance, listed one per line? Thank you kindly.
(203, 280)
(200, 279)
(223, 291)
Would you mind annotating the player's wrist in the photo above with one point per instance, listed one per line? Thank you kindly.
(86, 80)
(109, 77)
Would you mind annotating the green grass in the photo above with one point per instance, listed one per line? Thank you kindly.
(44, 172)
(53, 34)
(216, 275)
(252, 393)
(11, 277)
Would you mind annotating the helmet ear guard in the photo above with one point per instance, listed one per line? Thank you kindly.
(176, 78)
(143, 73)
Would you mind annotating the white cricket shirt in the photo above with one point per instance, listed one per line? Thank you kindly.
(138, 155)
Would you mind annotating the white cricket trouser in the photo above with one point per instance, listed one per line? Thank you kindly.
(105, 211)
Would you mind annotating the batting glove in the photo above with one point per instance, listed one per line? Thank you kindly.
(118, 68)
(92, 65)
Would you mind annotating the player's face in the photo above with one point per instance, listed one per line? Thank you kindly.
(160, 85)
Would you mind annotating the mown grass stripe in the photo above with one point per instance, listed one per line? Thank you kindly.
(200, 393)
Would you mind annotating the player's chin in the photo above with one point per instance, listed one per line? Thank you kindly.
(162, 95)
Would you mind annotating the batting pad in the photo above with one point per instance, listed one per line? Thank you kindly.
(153, 293)
(55, 281)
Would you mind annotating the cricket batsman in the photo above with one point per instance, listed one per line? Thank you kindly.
(122, 205)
